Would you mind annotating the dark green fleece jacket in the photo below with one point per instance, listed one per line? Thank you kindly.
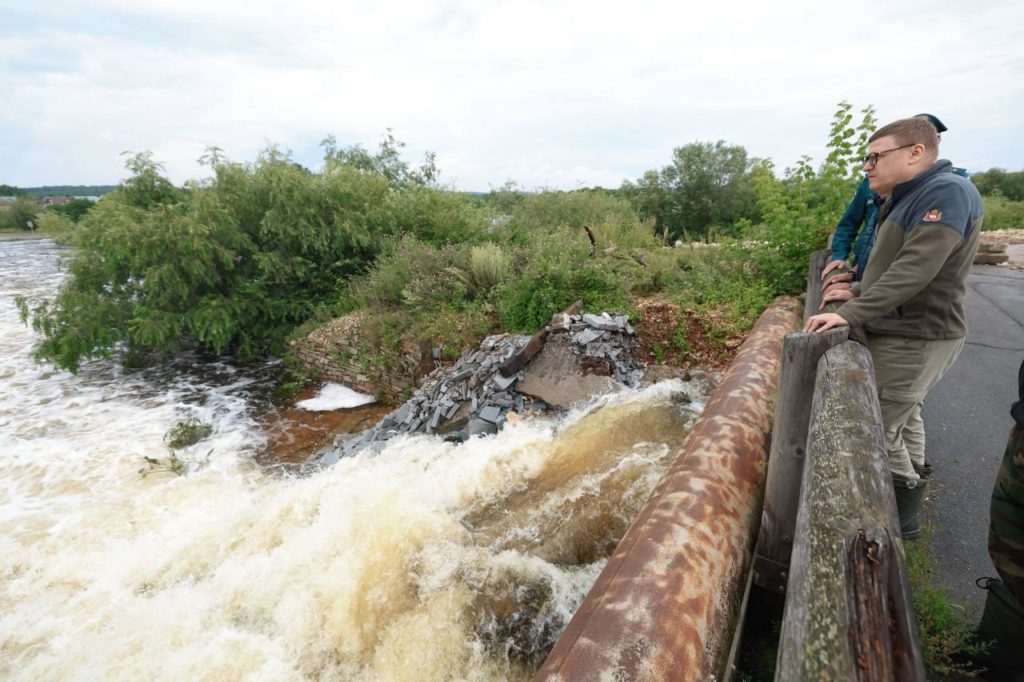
(915, 281)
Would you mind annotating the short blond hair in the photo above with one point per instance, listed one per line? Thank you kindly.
(910, 131)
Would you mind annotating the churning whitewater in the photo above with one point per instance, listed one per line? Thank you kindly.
(428, 561)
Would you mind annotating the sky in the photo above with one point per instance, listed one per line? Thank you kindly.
(549, 94)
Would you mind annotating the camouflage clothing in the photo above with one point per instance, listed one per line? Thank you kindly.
(1006, 525)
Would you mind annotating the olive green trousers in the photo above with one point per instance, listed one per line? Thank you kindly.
(905, 370)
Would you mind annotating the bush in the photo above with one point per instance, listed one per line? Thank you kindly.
(1009, 184)
(436, 217)
(20, 214)
(549, 210)
(413, 274)
(555, 270)
(186, 433)
(74, 209)
(801, 209)
(1002, 213)
(489, 266)
(52, 223)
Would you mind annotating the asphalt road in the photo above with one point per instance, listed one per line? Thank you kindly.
(967, 419)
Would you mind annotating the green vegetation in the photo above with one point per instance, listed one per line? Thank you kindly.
(20, 215)
(705, 185)
(187, 432)
(1003, 194)
(66, 190)
(947, 637)
(239, 261)
(1002, 213)
(74, 209)
(235, 263)
(999, 181)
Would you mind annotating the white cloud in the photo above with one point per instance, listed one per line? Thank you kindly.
(559, 93)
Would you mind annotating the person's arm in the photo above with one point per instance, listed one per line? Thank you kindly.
(850, 223)
(921, 257)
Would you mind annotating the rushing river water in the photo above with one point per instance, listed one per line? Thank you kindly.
(429, 561)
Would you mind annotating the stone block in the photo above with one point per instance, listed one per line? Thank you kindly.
(491, 414)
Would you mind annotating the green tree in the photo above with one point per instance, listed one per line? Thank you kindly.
(802, 208)
(1009, 184)
(232, 263)
(706, 184)
(74, 209)
(10, 191)
(21, 215)
(147, 186)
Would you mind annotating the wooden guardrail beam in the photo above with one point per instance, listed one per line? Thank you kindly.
(848, 613)
(800, 354)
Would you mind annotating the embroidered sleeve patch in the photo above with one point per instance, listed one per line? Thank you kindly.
(933, 216)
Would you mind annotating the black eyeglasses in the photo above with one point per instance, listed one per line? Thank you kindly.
(872, 158)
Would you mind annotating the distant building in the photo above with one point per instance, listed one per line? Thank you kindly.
(56, 201)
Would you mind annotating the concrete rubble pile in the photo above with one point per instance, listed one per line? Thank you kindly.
(573, 358)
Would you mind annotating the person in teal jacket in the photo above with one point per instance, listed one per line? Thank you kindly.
(863, 210)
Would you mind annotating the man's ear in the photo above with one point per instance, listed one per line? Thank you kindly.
(917, 154)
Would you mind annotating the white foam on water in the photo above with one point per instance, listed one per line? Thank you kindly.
(335, 397)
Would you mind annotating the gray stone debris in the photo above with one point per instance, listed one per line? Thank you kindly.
(472, 398)
(491, 414)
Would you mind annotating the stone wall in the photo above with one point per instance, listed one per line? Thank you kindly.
(343, 351)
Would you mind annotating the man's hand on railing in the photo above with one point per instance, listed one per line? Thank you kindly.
(824, 321)
(833, 265)
(836, 294)
(841, 280)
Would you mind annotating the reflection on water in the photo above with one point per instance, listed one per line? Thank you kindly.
(429, 561)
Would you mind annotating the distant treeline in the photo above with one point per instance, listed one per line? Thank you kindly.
(57, 190)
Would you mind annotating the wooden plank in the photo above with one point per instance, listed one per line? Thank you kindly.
(800, 354)
(848, 613)
(813, 301)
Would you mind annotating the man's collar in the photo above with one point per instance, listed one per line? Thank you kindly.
(940, 166)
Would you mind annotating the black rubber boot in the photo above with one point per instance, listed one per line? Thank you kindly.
(924, 471)
(1002, 626)
(909, 496)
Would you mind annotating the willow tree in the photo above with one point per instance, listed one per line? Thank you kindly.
(235, 262)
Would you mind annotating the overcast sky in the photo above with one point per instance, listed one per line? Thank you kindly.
(554, 93)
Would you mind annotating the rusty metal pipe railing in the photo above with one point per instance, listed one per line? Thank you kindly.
(665, 606)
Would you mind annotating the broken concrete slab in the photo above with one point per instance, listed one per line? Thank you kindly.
(588, 335)
(491, 414)
(554, 376)
(503, 382)
(603, 322)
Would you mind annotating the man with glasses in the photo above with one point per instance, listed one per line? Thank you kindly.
(910, 301)
(863, 211)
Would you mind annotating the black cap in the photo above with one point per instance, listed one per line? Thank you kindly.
(934, 120)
